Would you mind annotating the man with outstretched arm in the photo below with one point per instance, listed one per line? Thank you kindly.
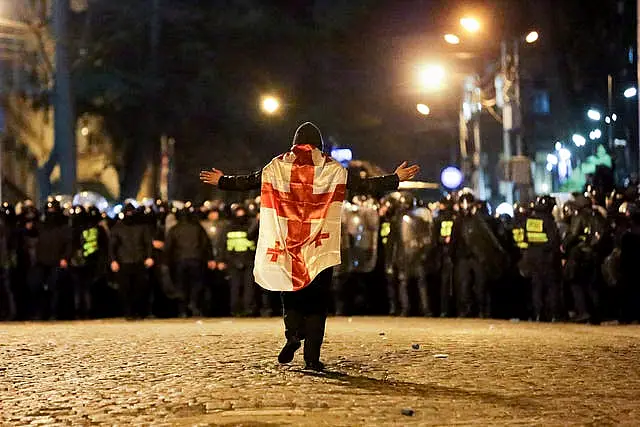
(302, 192)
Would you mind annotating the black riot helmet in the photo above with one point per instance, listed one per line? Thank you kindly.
(308, 133)
(447, 203)
(8, 213)
(482, 207)
(569, 209)
(407, 201)
(53, 206)
(94, 215)
(520, 210)
(466, 203)
(545, 203)
(129, 211)
(252, 207)
(616, 198)
(238, 210)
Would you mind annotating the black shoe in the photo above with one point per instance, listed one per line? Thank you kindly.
(314, 366)
(288, 351)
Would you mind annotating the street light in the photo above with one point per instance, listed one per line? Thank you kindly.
(452, 39)
(432, 77)
(594, 115)
(579, 140)
(630, 92)
(270, 104)
(472, 25)
(595, 134)
(423, 109)
(532, 37)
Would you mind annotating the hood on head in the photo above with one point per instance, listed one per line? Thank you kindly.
(308, 133)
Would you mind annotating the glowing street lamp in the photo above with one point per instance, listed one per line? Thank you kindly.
(432, 77)
(452, 39)
(594, 115)
(595, 134)
(630, 92)
(532, 37)
(472, 25)
(579, 140)
(423, 109)
(270, 104)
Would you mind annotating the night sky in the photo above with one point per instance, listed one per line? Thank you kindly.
(350, 67)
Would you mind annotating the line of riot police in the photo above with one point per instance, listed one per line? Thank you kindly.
(155, 260)
(572, 262)
(575, 262)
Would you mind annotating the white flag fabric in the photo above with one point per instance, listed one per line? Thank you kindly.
(300, 206)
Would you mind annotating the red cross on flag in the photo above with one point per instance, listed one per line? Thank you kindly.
(300, 206)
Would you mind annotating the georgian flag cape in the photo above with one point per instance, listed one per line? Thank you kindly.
(300, 207)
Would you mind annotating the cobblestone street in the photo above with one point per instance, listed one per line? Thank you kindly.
(224, 372)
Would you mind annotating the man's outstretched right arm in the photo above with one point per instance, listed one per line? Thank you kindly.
(217, 178)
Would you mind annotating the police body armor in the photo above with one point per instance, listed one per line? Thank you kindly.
(240, 247)
(360, 224)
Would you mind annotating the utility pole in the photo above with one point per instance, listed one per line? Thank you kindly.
(638, 78)
(507, 123)
(63, 116)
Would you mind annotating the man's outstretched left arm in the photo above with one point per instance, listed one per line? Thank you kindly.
(381, 184)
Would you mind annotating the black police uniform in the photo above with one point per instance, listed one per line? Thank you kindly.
(586, 245)
(54, 244)
(188, 249)
(629, 256)
(543, 257)
(442, 229)
(241, 236)
(26, 242)
(130, 245)
(91, 247)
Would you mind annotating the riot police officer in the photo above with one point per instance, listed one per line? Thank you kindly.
(216, 287)
(409, 237)
(188, 250)
(241, 236)
(130, 253)
(586, 244)
(629, 256)
(543, 256)
(443, 263)
(26, 242)
(91, 248)
(7, 301)
(53, 254)
(478, 258)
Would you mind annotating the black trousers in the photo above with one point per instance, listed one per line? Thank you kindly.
(545, 287)
(44, 291)
(585, 287)
(134, 290)
(243, 291)
(305, 314)
(84, 279)
(472, 288)
(447, 294)
(7, 300)
(190, 280)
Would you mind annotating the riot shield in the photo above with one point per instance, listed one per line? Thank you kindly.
(360, 225)
(415, 235)
(485, 247)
